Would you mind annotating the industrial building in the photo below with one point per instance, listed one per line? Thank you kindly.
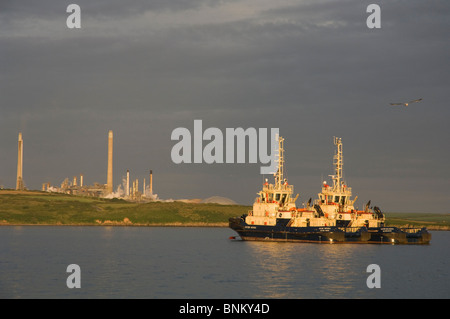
(76, 186)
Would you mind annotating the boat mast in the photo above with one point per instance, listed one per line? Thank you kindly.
(280, 172)
(338, 163)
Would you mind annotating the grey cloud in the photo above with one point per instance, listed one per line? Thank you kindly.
(311, 68)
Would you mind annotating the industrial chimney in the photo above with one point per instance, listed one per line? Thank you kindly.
(127, 191)
(143, 188)
(19, 182)
(151, 182)
(109, 184)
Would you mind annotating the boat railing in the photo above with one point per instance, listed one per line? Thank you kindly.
(346, 191)
(271, 187)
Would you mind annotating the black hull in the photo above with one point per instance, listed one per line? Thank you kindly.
(328, 234)
(400, 235)
(387, 235)
(325, 234)
(360, 235)
(415, 236)
(289, 236)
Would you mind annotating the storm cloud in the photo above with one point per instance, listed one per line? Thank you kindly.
(313, 69)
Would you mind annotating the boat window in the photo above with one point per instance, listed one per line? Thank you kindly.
(283, 199)
(277, 197)
(336, 199)
(330, 198)
(321, 199)
(263, 198)
(270, 197)
(343, 200)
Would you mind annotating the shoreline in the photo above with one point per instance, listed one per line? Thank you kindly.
(121, 224)
(34, 208)
(211, 225)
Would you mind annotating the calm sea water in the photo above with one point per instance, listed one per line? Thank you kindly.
(168, 263)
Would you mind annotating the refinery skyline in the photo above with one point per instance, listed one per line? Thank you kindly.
(312, 69)
(76, 185)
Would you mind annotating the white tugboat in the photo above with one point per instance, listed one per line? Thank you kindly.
(275, 216)
(331, 219)
(335, 202)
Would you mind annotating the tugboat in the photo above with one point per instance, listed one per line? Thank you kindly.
(335, 201)
(275, 216)
(332, 218)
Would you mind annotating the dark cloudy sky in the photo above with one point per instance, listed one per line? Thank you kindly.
(310, 68)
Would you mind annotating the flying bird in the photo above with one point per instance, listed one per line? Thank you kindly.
(407, 103)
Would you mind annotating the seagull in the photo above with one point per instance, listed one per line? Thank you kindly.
(407, 103)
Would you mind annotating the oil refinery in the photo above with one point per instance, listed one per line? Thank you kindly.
(128, 190)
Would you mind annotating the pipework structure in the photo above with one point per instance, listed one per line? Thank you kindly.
(76, 185)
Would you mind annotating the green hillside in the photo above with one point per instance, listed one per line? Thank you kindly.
(41, 208)
(430, 220)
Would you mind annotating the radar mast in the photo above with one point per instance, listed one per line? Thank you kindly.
(279, 175)
(338, 159)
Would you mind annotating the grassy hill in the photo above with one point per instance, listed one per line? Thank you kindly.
(41, 208)
(430, 220)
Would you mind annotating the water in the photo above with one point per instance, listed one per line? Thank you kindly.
(168, 263)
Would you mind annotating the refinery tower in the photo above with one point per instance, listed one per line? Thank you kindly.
(109, 183)
(19, 181)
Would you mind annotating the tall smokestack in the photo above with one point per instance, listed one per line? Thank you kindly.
(81, 180)
(151, 182)
(109, 183)
(143, 188)
(127, 192)
(19, 182)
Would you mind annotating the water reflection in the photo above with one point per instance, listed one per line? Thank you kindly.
(107, 232)
(273, 265)
(297, 270)
(201, 263)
